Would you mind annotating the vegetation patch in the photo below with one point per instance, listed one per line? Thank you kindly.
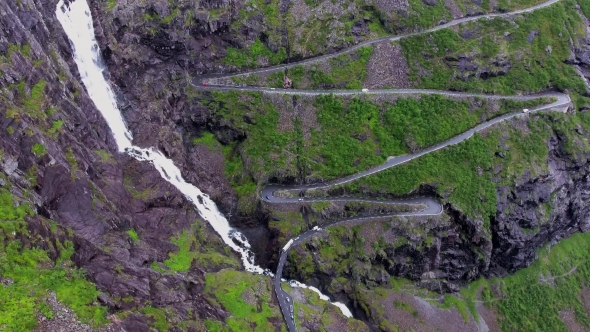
(289, 225)
(335, 255)
(111, 5)
(34, 103)
(158, 317)
(207, 139)
(133, 235)
(356, 133)
(513, 62)
(144, 195)
(248, 313)
(463, 173)
(345, 71)
(362, 134)
(250, 56)
(32, 274)
(56, 128)
(190, 249)
(39, 150)
(262, 141)
(532, 298)
(105, 156)
(425, 16)
(72, 161)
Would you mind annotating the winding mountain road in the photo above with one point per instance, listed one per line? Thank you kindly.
(433, 207)
(203, 78)
(561, 102)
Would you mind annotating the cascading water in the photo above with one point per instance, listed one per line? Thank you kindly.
(343, 308)
(76, 21)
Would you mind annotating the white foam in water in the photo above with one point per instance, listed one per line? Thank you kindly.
(345, 311)
(76, 20)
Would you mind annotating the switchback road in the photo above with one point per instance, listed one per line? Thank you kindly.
(561, 102)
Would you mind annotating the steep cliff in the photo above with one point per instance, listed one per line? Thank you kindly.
(111, 215)
(154, 48)
(141, 242)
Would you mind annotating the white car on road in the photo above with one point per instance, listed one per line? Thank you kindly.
(365, 90)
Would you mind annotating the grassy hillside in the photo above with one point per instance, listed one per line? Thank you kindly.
(327, 137)
(28, 273)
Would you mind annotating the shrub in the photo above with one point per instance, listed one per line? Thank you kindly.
(133, 235)
(39, 150)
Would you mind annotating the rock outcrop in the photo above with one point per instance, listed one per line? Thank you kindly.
(540, 210)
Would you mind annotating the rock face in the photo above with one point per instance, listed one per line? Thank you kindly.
(151, 61)
(287, 83)
(580, 56)
(57, 153)
(540, 210)
(151, 53)
(467, 66)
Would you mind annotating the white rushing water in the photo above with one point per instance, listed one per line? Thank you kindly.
(76, 21)
(345, 311)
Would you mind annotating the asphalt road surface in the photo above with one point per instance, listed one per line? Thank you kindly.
(432, 206)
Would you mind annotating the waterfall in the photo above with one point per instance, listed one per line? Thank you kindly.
(343, 308)
(76, 21)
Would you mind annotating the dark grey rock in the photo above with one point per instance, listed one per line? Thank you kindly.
(468, 34)
(531, 36)
(360, 28)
